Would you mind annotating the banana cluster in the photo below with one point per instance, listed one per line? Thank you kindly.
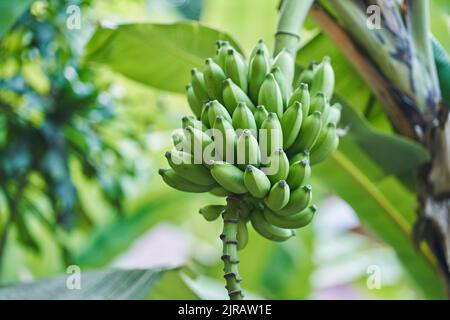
(254, 135)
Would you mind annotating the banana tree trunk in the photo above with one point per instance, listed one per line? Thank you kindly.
(397, 61)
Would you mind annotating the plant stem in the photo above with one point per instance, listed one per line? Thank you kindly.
(292, 16)
(229, 257)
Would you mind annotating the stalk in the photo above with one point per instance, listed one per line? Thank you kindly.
(292, 16)
(229, 239)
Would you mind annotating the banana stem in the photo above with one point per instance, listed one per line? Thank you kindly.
(229, 257)
(292, 16)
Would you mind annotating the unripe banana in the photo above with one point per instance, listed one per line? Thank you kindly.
(204, 117)
(194, 103)
(260, 115)
(334, 116)
(270, 95)
(259, 67)
(295, 221)
(285, 88)
(256, 182)
(214, 77)
(243, 119)
(179, 141)
(183, 164)
(197, 142)
(309, 133)
(247, 150)
(268, 230)
(323, 80)
(215, 110)
(232, 95)
(236, 69)
(304, 155)
(285, 62)
(270, 135)
(307, 75)
(211, 212)
(221, 55)
(198, 85)
(327, 143)
(278, 196)
(291, 122)
(177, 182)
(299, 172)
(301, 94)
(278, 166)
(228, 176)
(187, 121)
(219, 192)
(320, 103)
(260, 46)
(298, 201)
(225, 139)
(242, 234)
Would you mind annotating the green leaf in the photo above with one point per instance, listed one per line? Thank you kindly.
(386, 208)
(157, 55)
(10, 11)
(111, 284)
(233, 16)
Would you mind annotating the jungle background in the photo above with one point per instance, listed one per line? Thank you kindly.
(86, 115)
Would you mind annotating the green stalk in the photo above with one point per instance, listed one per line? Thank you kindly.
(292, 16)
(229, 257)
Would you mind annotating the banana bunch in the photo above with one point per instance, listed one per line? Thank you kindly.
(253, 136)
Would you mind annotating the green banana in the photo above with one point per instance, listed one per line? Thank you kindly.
(299, 172)
(232, 95)
(243, 119)
(320, 103)
(304, 155)
(179, 141)
(247, 150)
(285, 88)
(214, 77)
(236, 69)
(278, 196)
(228, 176)
(270, 95)
(301, 94)
(335, 113)
(177, 182)
(270, 135)
(285, 62)
(242, 234)
(262, 47)
(197, 142)
(278, 166)
(298, 201)
(187, 121)
(211, 212)
(198, 85)
(259, 67)
(268, 230)
(327, 143)
(256, 182)
(309, 133)
(221, 55)
(323, 80)
(215, 110)
(204, 117)
(307, 75)
(260, 115)
(184, 166)
(291, 122)
(295, 221)
(219, 192)
(225, 139)
(194, 103)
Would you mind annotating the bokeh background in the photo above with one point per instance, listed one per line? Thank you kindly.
(80, 146)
